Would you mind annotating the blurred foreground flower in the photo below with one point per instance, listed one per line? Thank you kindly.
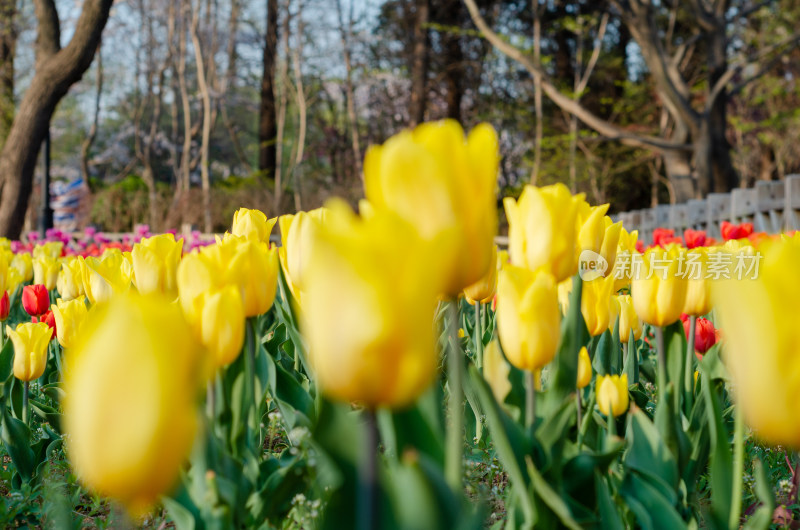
(129, 411)
(368, 309)
(759, 319)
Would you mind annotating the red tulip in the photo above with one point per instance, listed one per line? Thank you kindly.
(705, 335)
(731, 231)
(35, 299)
(49, 319)
(694, 238)
(5, 306)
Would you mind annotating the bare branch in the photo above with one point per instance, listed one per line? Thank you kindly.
(564, 102)
(48, 38)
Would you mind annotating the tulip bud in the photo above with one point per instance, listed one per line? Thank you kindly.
(591, 226)
(496, 371)
(705, 336)
(222, 325)
(155, 264)
(48, 319)
(50, 249)
(69, 316)
(698, 290)
(45, 271)
(527, 317)
(483, 290)
(610, 244)
(543, 230)
(35, 299)
(130, 385)
(5, 307)
(612, 394)
(70, 279)
(584, 368)
(23, 263)
(599, 308)
(252, 225)
(105, 276)
(30, 349)
(297, 232)
(658, 289)
(254, 268)
(628, 320)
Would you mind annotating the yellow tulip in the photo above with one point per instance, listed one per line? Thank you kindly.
(254, 269)
(623, 258)
(45, 271)
(297, 233)
(69, 316)
(657, 287)
(222, 325)
(130, 386)
(155, 264)
(591, 226)
(30, 349)
(444, 184)
(483, 290)
(496, 370)
(597, 305)
(564, 292)
(527, 317)
(70, 279)
(104, 276)
(612, 394)
(51, 249)
(197, 275)
(5, 269)
(252, 225)
(370, 341)
(698, 291)
(758, 318)
(542, 230)
(584, 368)
(23, 262)
(628, 319)
(610, 243)
(13, 280)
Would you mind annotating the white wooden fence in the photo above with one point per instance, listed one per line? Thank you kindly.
(771, 206)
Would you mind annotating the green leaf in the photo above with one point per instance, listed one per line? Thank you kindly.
(16, 437)
(6, 361)
(648, 503)
(762, 517)
(721, 458)
(609, 513)
(573, 336)
(603, 354)
(648, 453)
(549, 496)
(632, 361)
(510, 442)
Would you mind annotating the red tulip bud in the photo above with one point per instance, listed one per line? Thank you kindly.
(5, 306)
(35, 299)
(705, 336)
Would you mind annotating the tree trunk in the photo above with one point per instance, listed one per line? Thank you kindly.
(8, 45)
(205, 95)
(419, 63)
(346, 34)
(537, 94)
(268, 128)
(57, 69)
(86, 145)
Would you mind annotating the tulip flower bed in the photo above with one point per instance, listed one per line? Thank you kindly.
(392, 368)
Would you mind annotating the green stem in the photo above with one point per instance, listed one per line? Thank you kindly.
(738, 468)
(688, 372)
(368, 517)
(578, 404)
(585, 425)
(478, 336)
(210, 399)
(455, 432)
(530, 399)
(661, 377)
(25, 407)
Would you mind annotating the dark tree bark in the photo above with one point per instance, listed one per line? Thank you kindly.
(8, 44)
(419, 62)
(454, 59)
(57, 69)
(268, 123)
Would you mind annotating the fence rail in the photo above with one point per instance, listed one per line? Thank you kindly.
(771, 207)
